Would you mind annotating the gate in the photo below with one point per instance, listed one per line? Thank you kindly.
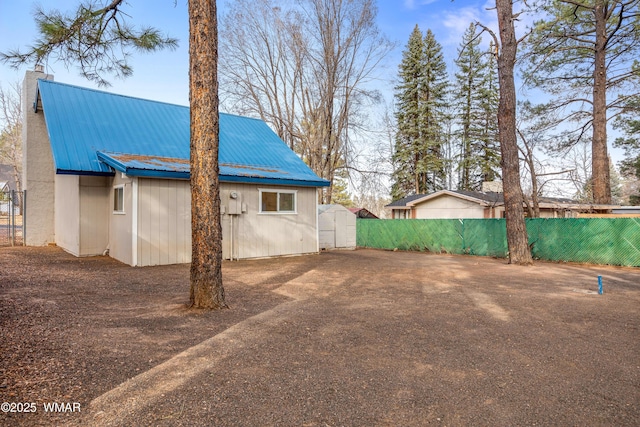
(12, 227)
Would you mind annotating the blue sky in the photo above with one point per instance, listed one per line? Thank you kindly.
(163, 75)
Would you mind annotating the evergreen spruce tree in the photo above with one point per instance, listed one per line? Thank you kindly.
(476, 95)
(435, 90)
(489, 144)
(420, 99)
(408, 117)
(467, 84)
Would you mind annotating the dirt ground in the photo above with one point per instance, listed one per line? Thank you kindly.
(349, 338)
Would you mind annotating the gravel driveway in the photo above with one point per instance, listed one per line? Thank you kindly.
(348, 338)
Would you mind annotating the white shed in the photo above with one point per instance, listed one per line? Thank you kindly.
(337, 227)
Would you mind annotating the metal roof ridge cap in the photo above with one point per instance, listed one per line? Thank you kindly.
(143, 99)
(111, 93)
(223, 113)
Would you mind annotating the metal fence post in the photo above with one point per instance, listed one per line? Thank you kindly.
(24, 217)
(12, 218)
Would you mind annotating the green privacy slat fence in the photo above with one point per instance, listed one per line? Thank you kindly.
(614, 241)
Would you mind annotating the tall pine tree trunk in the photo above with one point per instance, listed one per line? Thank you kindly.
(206, 231)
(600, 158)
(517, 239)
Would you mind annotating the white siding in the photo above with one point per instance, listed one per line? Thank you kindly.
(94, 215)
(164, 222)
(81, 214)
(337, 227)
(120, 225)
(448, 207)
(257, 235)
(67, 213)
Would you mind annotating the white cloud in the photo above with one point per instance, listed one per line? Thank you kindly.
(456, 22)
(414, 4)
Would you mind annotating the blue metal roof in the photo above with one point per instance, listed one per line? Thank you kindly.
(94, 133)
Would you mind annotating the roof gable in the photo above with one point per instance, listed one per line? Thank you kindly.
(95, 132)
(492, 199)
(484, 199)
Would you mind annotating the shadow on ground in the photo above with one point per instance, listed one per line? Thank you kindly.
(354, 338)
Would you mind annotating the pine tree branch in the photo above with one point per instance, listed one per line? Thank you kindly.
(98, 40)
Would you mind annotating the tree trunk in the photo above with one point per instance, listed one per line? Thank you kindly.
(600, 158)
(206, 231)
(528, 205)
(535, 211)
(517, 239)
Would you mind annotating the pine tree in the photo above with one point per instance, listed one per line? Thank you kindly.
(628, 124)
(420, 98)
(340, 192)
(581, 54)
(100, 40)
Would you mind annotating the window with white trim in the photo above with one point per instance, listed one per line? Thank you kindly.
(118, 199)
(278, 201)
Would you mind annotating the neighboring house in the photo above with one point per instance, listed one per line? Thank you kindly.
(7, 180)
(616, 212)
(626, 210)
(337, 227)
(106, 172)
(6, 202)
(362, 213)
(473, 204)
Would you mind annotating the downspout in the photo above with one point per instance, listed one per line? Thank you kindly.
(317, 222)
(231, 237)
(134, 222)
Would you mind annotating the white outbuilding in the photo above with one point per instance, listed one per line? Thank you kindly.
(337, 227)
(108, 173)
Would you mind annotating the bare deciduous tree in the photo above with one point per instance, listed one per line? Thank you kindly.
(304, 68)
(11, 131)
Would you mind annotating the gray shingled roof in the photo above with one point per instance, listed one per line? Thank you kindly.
(405, 200)
(6, 175)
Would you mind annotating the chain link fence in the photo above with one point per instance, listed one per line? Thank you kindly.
(11, 218)
(612, 241)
